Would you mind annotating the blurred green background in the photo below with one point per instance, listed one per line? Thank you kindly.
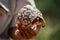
(51, 13)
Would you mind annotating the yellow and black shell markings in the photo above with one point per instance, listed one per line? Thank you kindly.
(29, 15)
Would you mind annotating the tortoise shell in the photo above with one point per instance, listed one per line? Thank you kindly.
(28, 24)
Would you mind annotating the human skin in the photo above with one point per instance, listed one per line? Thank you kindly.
(23, 33)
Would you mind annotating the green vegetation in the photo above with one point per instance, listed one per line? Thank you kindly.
(51, 13)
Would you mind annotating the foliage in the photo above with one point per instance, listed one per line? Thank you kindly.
(51, 13)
